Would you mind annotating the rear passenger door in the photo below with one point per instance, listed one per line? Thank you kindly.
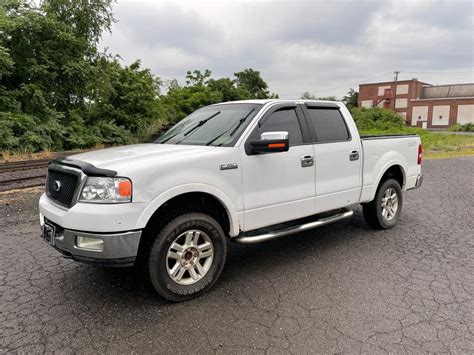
(336, 157)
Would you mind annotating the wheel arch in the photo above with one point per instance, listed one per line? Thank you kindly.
(200, 197)
(392, 170)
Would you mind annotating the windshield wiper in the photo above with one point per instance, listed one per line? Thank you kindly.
(201, 123)
(190, 130)
(239, 123)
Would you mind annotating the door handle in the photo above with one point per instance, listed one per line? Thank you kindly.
(307, 160)
(354, 155)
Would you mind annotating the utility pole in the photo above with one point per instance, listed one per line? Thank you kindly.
(396, 75)
(396, 72)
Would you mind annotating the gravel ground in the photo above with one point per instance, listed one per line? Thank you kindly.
(341, 288)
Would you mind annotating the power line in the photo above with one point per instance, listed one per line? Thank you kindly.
(439, 73)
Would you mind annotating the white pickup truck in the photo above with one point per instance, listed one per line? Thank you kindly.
(245, 171)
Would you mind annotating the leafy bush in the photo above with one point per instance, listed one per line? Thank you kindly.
(111, 134)
(77, 134)
(377, 118)
(20, 131)
(468, 127)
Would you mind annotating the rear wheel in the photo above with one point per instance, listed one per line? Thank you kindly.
(383, 212)
(187, 256)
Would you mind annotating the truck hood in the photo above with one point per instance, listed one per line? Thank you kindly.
(125, 156)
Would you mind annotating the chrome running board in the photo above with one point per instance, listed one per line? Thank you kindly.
(244, 239)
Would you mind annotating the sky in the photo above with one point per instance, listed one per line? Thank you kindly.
(323, 47)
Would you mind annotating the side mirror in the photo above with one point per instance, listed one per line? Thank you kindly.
(271, 142)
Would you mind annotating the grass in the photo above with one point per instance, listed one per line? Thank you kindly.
(9, 156)
(435, 145)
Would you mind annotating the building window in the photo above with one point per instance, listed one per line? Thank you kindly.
(402, 89)
(381, 90)
(440, 115)
(419, 117)
(401, 103)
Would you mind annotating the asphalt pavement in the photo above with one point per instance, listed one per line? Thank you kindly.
(343, 288)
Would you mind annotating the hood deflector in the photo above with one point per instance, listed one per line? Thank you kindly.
(87, 168)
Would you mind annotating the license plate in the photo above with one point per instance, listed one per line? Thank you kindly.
(49, 232)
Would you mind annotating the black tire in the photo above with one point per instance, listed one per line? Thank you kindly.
(158, 263)
(373, 210)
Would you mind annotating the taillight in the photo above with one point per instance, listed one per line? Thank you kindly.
(420, 154)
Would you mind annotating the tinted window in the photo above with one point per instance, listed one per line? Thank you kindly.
(328, 124)
(284, 120)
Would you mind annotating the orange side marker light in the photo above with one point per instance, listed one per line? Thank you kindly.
(276, 145)
(125, 188)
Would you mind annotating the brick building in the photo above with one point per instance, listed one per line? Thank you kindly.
(422, 104)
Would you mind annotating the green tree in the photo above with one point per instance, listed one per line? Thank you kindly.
(229, 90)
(250, 80)
(129, 99)
(180, 101)
(201, 90)
(351, 98)
(87, 19)
(307, 96)
(196, 77)
(328, 98)
(48, 57)
(51, 66)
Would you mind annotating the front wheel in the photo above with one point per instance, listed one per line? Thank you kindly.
(187, 256)
(383, 212)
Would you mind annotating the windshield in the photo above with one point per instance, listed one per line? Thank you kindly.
(212, 125)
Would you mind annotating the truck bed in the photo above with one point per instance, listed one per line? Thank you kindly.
(380, 151)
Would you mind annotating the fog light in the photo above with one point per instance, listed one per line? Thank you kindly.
(87, 243)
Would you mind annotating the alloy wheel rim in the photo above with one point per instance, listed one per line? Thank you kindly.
(189, 257)
(389, 204)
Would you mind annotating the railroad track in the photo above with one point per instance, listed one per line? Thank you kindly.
(24, 165)
(35, 163)
(23, 182)
(34, 179)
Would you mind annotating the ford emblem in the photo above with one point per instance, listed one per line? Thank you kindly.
(56, 185)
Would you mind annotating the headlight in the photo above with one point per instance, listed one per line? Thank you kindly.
(106, 190)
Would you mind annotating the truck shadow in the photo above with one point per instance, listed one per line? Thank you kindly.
(244, 262)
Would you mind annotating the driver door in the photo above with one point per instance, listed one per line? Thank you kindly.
(279, 186)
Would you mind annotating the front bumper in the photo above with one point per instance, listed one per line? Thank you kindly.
(117, 249)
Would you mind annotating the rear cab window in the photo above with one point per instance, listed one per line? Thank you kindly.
(328, 125)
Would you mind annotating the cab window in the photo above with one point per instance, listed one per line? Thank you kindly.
(328, 124)
(284, 119)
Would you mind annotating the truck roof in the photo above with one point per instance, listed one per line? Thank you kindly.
(266, 101)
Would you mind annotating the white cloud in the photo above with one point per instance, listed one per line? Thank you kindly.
(320, 46)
